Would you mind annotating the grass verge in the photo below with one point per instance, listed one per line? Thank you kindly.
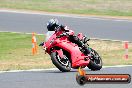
(94, 7)
(15, 52)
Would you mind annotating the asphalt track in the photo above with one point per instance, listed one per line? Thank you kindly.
(57, 79)
(91, 26)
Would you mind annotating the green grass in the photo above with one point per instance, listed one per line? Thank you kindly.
(112, 53)
(93, 7)
(15, 52)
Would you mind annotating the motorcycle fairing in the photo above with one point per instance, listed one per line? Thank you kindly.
(60, 52)
(77, 57)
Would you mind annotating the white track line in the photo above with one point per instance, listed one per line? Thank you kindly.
(90, 38)
(110, 40)
(22, 32)
(55, 69)
(65, 15)
(33, 70)
(117, 66)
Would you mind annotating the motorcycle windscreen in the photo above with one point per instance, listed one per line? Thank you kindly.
(49, 34)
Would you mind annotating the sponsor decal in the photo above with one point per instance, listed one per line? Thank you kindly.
(83, 78)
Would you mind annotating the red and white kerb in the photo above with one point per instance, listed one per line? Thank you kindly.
(126, 49)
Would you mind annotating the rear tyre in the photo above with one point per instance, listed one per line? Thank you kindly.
(63, 65)
(96, 61)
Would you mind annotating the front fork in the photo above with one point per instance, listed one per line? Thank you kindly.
(84, 52)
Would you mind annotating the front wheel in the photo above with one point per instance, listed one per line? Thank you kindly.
(95, 60)
(63, 64)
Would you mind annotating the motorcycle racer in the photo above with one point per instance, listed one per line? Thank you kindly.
(68, 50)
(53, 25)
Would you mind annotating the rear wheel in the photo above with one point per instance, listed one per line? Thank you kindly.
(63, 64)
(95, 60)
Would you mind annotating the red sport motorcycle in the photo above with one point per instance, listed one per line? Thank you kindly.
(66, 55)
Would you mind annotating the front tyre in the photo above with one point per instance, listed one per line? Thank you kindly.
(63, 65)
(95, 60)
